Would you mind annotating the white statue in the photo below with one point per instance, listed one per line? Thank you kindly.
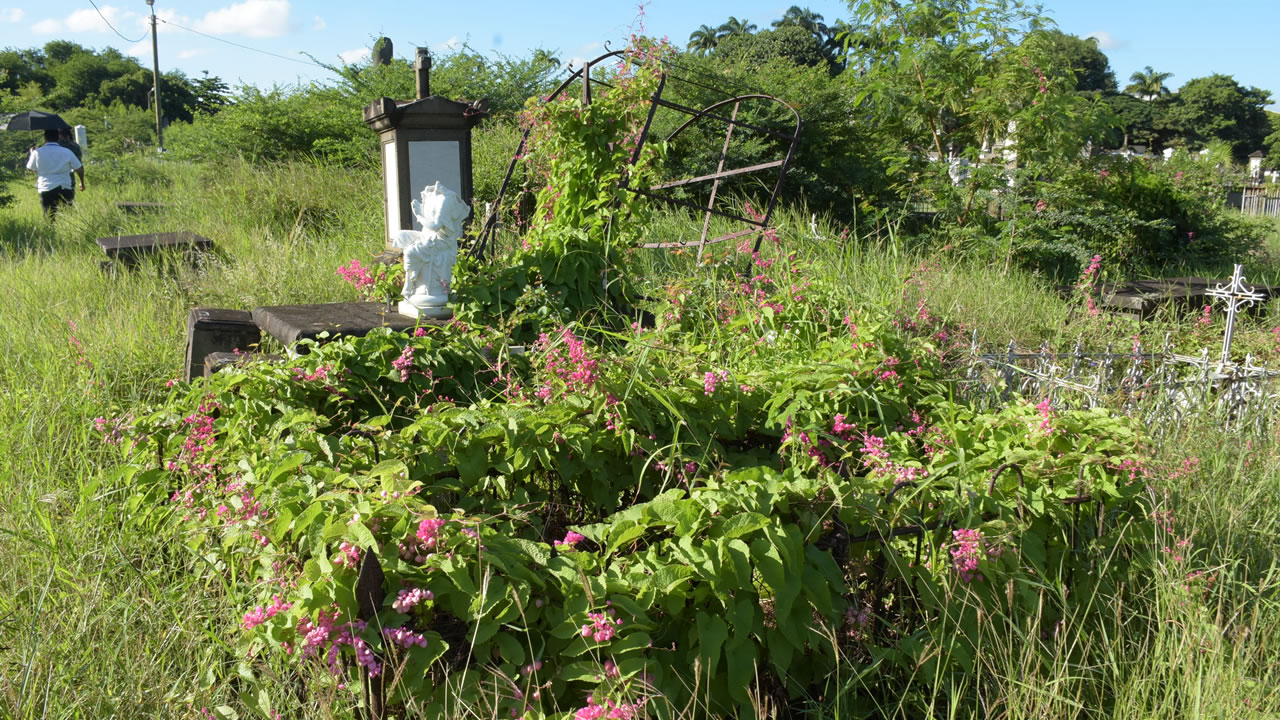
(429, 253)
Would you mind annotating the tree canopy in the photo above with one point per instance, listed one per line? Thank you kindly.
(1219, 108)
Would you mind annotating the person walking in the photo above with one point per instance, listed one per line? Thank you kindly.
(53, 165)
(66, 140)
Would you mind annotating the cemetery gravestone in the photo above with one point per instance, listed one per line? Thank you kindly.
(216, 330)
(128, 249)
(292, 323)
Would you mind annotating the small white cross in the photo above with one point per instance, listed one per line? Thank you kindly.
(1236, 295)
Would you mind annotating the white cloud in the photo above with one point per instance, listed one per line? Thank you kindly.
(191, 52)
(251, 18)
(141, 50)
(351, 57)
(85, 20)
(1105, 40)
(11, 15)
(88, 20)
(318, 23)
(453, 43)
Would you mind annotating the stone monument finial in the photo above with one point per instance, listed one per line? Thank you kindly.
(422, 73)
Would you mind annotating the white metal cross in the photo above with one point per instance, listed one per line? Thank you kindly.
(1236, 296)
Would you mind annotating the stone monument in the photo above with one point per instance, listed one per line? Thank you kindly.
(429, 253)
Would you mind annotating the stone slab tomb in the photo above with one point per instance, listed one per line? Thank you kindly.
(129, 249)
(216, 330)
(1145, 297)
(292, 323)
(134, 208)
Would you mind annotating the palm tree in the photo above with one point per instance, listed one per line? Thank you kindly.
(833, 45)
(734, 26)
(1148, 84)
(804, 18)
(703, 40)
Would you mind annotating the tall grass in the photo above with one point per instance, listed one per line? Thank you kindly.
(97, 621)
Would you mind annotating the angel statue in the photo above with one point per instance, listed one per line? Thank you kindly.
(429, 253)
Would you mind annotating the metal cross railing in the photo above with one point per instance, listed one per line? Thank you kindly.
(1236, 295)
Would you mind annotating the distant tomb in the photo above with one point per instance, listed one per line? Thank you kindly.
(134, 208)
(129, 249)
(1145, 297)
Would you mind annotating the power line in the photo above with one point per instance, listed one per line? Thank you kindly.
(236, 44)
(113, 27)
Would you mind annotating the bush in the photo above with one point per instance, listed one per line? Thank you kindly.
(1136, 214)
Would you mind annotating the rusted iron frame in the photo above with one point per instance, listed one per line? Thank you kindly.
(695, 243)
(715, 179)
(369, 597)
(732, 122)
(725, 174)
(490, 225)
(491, 222)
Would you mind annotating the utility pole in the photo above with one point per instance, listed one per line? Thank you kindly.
(155, 73)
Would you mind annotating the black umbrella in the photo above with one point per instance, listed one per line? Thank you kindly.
(36, 120)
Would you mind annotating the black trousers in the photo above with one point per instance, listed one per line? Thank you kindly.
(51, 200)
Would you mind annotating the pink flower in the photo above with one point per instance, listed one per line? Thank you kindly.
(429, 530)
(571, 539)
(408, 598)
(1045, 414)
(404, 362)
(711, 379)
(405, 637)
(348, 556)
(969, 549)
(355, 274)
(601, 629)
(261, 614)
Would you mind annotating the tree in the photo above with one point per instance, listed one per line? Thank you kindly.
(1082, 57)
(805, 19)
(1148, 84)
(212, 94)
(1273, 141)
(703, 40)
(1138, 122)
(789, 41)
(733, 26)
(1219, 108)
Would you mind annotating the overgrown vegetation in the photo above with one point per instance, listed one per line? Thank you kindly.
(625, 483)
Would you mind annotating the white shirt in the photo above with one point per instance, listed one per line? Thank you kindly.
(53, 165)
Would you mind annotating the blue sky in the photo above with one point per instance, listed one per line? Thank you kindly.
(1188, 38)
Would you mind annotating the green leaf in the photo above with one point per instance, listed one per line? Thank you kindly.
(668, 578)
(743, 523)
(512, 649)
(290, 463)
(712, 632)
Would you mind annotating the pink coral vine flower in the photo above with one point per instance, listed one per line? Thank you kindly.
(429, 531)
(968, 550)
(570, 541)
(602, 627)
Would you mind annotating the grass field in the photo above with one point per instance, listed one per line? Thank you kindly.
(98, 621)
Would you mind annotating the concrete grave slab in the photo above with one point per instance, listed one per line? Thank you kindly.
(291, 323)
(128, 249)
(217, 330)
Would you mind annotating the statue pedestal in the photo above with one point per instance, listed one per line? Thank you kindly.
(440, 312)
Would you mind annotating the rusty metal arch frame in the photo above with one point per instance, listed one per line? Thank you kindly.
(756, 226)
